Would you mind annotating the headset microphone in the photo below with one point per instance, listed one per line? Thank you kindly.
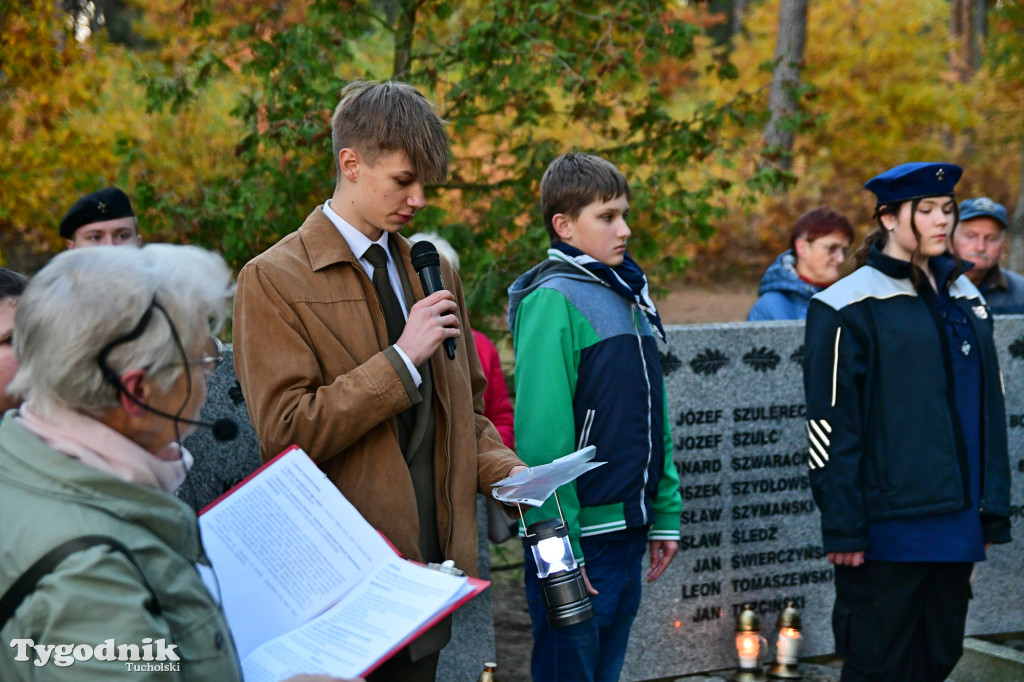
(223, 429)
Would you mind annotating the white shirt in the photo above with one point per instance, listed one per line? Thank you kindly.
(360, 244)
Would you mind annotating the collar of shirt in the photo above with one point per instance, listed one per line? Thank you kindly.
(993, 279)
(359, 243)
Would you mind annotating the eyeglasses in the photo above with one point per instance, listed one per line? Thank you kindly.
(832, 249)
(211, 358)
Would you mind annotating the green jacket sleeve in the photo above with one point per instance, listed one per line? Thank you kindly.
(547, 340)
(669, 503)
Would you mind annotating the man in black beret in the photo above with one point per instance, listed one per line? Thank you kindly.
(103, 218)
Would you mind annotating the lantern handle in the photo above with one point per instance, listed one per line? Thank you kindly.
(522, 518)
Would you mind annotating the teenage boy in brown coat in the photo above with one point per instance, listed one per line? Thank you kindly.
(394, 423)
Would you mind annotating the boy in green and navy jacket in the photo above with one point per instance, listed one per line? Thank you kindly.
(588, 373)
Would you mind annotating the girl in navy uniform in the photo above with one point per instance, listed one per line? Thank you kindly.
(907, 434)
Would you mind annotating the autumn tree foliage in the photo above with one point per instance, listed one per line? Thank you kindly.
(34, 49)
(75, 119)
(520, 82)
(213, 115)
(1000, 92)
(877, 89)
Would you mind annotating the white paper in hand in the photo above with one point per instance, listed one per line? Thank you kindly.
(536, 484)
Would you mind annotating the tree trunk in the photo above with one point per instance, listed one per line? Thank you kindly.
(782, 99)
(403, 39)
(979, 32)
(1016, 257)
(117, 17)
(739, 8)
(968, 25)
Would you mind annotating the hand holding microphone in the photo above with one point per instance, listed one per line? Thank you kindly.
(434, 319)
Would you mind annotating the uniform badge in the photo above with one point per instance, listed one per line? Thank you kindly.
(980, 312)
(940, 175)
(101, 207)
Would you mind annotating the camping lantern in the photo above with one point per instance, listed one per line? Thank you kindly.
(561, 580)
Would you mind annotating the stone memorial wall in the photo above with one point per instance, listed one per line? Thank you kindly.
(750, 529)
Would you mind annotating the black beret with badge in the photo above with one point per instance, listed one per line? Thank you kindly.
(109, 203)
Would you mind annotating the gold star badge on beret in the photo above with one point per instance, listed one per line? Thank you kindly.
(101, 207)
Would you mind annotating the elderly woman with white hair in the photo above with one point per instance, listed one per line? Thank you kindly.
(114, 348)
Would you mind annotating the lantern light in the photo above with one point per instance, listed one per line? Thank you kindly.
(561, 580)
(787, 647)
(749, 645)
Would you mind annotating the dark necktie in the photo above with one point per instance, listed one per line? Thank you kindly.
(393, 315)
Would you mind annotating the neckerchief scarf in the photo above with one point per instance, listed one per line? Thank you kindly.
(626, 279)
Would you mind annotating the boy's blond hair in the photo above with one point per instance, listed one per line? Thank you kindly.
(376, 118)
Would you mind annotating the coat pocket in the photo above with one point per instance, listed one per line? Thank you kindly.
(206, 650)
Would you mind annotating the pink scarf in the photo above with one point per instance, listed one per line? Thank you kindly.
(96, 445)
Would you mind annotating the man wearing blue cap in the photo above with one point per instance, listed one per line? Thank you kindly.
(979, 238)
(101, 218)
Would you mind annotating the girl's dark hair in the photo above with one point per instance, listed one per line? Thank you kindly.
(880, 236)
(12, 284)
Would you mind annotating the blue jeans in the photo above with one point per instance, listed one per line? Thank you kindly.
(592, 651)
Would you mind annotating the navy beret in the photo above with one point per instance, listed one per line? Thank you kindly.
(915, 181)
(983, 207)
(109, 203)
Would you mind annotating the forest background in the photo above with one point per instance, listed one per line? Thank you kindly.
(730, 117)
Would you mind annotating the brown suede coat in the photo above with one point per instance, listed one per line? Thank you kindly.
(309, 348)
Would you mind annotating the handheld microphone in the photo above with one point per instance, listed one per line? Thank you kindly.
(427, 264)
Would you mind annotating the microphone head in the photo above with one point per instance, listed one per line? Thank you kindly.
(424, 254)
(224, 429)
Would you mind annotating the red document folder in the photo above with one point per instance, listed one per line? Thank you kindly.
(307, 585)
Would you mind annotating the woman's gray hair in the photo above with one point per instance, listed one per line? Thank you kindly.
(85, 298)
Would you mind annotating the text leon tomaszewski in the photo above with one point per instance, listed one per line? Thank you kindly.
(155, 654)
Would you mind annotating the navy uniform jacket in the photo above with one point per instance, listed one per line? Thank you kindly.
(884, 439)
